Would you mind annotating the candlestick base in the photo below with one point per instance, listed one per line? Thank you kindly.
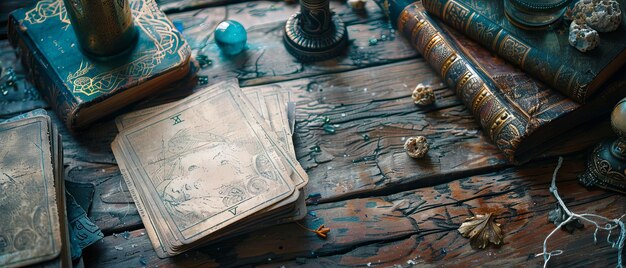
(307, 48)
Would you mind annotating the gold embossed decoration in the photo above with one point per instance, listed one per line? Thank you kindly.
(482, 230)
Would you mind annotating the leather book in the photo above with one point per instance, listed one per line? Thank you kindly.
(544, 54)
(520, 114)
(82, 89)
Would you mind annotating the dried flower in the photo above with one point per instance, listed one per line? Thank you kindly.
(482, 230)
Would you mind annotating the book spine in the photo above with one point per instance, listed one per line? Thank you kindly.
(500, 122)
(492, 36)
(41, 75)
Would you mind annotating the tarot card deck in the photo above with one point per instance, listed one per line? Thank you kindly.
(218, 163)
(34, 226)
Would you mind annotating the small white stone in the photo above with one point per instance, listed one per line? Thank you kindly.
(423, 95)
(416, 147)
(601, 15)
(582, 37)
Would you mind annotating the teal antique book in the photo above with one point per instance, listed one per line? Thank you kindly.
(82, 89)
(544, 54)
(521, 115)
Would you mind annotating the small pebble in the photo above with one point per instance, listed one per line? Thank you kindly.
(416, 147)
(373, 41)
(423, 95)
(119, 248)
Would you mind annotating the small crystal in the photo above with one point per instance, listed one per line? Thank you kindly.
(204, 60)
(315, 149)
(231, 37)
(203, 80)
(330, 129)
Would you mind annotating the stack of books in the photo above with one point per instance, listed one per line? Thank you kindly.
(526, 88)
(212, 165)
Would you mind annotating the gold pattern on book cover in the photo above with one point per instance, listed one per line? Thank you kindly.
(165, 37)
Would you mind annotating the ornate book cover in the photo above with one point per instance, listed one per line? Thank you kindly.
(518, 113)
(83, 89)
(544, 54)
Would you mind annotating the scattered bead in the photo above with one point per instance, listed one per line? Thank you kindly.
(423, 95)
(231, 37)
(330, 129)
(373, 41)
(416, 147)
(204, 60)
(203, 80)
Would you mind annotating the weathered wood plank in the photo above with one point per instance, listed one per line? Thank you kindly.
(344, 164)
(266, 60)
(417, 225)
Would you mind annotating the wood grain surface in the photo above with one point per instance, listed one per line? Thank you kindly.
(384, 208)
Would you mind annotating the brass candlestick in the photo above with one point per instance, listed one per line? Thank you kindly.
(103, 28)
(606, 166)
(315, 33)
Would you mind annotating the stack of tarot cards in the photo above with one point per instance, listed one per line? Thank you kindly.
(218, 163)
(33, 225)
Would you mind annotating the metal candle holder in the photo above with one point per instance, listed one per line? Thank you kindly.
(315, 33)
(103, 28)
(606, 166)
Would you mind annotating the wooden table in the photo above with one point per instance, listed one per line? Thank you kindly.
(384, 208)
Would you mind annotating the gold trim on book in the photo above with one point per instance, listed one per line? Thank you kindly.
(417, 28)
(469, 21)
(404, 17)
(444, 11)
(447, 64)
(431, 43)
(515, 49)
(495, 40)
(558, 73)
(480, 98)
(464, 79)
(502, 118)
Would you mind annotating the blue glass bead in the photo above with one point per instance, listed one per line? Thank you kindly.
(231, 37)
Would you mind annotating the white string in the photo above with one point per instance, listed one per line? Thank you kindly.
(610, 225)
